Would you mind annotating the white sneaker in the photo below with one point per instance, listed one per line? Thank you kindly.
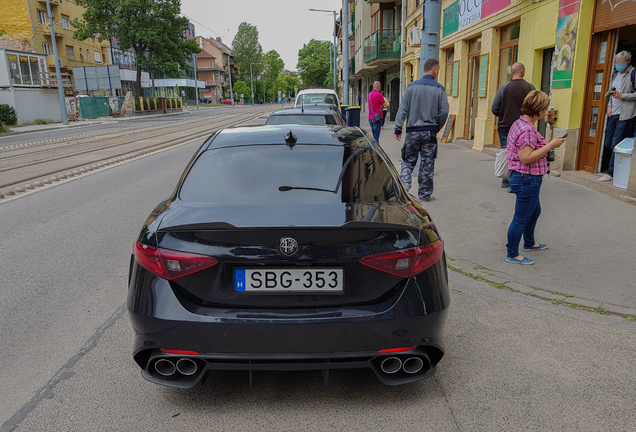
(606, 178)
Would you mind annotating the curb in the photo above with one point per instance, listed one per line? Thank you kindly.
(501, 281)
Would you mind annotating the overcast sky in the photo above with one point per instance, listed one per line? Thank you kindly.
(283, 25)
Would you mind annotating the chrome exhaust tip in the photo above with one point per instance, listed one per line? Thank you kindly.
(165, 367)
(391, 365)
(413, 365)
(187, 366)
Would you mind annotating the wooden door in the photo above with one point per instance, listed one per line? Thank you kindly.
(471, 94)
(598, 82)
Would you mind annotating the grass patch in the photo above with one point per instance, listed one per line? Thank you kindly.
(41, 122)
(450, 259)
(479, 267)
(211, 105)
(598, 310)
(4, 128)
(479, 278)
(552, 292)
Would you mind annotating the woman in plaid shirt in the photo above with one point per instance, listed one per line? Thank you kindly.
(527, 161)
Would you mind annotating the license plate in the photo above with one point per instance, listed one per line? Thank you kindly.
(289, 280)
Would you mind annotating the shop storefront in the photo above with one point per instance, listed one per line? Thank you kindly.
(613, 31)
(481, 39)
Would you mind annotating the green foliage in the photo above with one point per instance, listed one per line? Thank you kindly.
(273, 65)
(4, 129)
(8, 115)
(247, 50)
(3, 32)
(41, 121)
(154, 30)
(313, 63)
(241, 87)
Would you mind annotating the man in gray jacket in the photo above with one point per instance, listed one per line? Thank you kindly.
(424, 107)
(621, 109)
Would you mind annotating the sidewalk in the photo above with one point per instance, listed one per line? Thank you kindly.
(591, 236)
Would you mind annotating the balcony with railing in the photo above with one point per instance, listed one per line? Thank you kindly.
(384, 44)
(41, 79)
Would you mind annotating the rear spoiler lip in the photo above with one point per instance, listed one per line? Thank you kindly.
(228, 226)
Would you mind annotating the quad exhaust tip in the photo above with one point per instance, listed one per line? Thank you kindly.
(165, 367)
(413, 365)
(187, 366)
(391, 365)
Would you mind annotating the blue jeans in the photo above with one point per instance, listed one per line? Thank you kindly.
(527, 211)
(376, 128)
(623, 129)
(503, 138)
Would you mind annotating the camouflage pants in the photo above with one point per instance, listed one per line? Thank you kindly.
(423, 145)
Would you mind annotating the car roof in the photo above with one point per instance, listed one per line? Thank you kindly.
(275, 134)
(296, 111)
(317, 90)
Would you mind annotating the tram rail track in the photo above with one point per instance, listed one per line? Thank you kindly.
(61, 158)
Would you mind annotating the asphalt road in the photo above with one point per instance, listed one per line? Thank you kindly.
(513, 362)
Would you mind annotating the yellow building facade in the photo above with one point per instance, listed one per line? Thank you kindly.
(26, 25)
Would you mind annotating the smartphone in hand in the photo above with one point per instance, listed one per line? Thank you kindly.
(565, 136)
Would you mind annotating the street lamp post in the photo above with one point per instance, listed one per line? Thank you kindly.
(334, 44)
(58, 74)
(252, 80)
(196, 80)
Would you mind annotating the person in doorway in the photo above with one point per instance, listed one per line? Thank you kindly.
(507, 105)
(385, 109)
(621, 109)
(376, 105)
(527, 161)
(424, 107)
(359, 99)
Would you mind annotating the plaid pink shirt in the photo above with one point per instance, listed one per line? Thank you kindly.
(523, 133)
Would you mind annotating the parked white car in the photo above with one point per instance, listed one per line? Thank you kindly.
(320, 96)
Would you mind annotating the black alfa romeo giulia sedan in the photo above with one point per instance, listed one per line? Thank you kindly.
(288, 248)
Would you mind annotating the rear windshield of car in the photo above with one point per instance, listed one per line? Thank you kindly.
(276, 174)
(304, 119)
(311, 98)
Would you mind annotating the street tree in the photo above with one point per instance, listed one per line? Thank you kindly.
(247, 50)
(152, 28)
(313, 62)
(241, 87)
(273, 65)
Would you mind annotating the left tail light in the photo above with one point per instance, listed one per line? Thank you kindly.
(406, 262)
(170, 264)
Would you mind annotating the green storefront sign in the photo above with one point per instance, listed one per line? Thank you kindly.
(451, 19)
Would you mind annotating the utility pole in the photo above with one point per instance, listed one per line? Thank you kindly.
(335, 88)
(431, 12)
(345, 61)
(58, 74)
(401, 91)
(252, 80)
(196, 80)
(229, 68)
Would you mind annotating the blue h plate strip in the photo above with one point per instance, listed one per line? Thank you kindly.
(239, 280)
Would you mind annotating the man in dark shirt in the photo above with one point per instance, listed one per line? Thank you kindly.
(507, 104)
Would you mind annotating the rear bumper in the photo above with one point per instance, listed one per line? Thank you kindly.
(287, 339)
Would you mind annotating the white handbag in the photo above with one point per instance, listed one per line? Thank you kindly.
(501, 163)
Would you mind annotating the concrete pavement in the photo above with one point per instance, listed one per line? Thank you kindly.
(591, 236)
(513, 362)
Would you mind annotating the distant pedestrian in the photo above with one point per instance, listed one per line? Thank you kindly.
(621, 109)
(385, 109)
(527, 161)
(376, 104)
(507, 105)
(424, 107)
(359, 100)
